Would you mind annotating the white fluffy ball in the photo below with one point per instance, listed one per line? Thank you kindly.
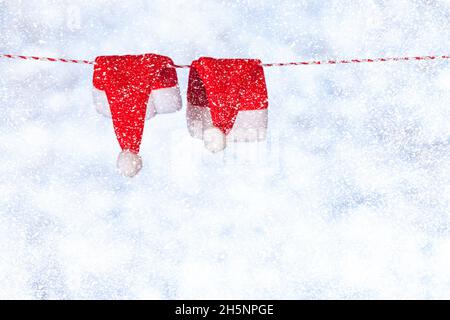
(214, 139)
(129, 163)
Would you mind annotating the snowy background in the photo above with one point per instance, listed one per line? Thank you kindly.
(348, 198)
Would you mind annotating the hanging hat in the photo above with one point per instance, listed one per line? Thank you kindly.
(227, 101)
(130, 89)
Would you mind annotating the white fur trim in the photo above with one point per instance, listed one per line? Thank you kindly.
(160, 101)
(195, 120)
(129, 163)
(102, 105)
(166, 100)
(249, 126)
(101, 102)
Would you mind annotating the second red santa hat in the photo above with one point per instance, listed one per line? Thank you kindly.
(130, 89)
(227, 101)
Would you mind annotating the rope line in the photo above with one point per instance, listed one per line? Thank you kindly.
(327, 62)
(276, 64)
(14, 56)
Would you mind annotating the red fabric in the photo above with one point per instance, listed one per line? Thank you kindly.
(128, 82)
(227, 86)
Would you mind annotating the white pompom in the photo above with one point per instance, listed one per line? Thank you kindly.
(214, 139)
(129, 163)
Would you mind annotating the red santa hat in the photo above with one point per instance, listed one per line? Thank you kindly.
(130, 89)
(227, 101)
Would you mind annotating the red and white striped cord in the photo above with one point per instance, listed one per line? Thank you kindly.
(277, 64)
(320, 62)
(14, 56)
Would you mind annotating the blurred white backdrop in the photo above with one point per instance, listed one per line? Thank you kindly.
(348, 198)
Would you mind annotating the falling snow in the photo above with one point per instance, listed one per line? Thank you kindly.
(348, 197)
